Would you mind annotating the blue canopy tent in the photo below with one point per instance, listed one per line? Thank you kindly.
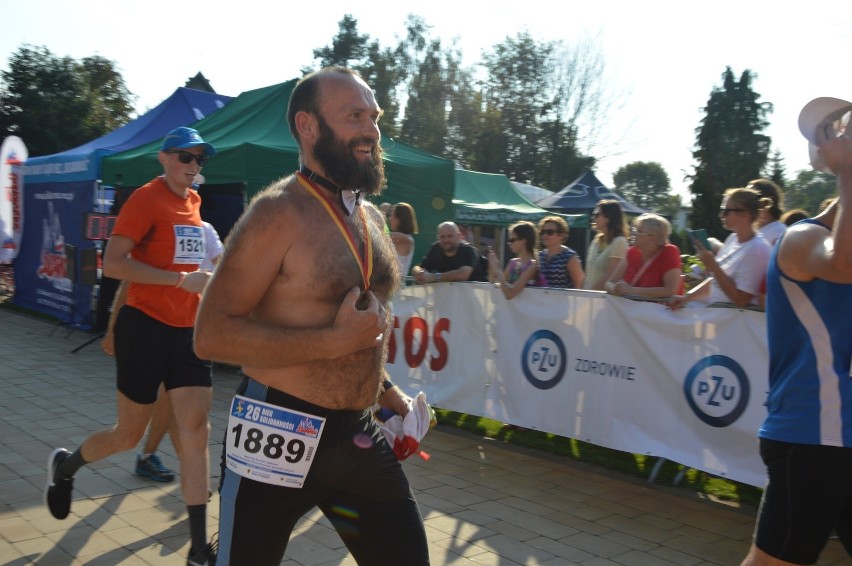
(56, 265)
(581, 197)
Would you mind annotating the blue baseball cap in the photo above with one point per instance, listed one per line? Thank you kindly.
(185, 138)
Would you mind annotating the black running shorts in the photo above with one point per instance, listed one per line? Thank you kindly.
(149, 352)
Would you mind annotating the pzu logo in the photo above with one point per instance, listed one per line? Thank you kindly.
(543, 359)
(717, 390)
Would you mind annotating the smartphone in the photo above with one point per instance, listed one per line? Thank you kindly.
(700, 236)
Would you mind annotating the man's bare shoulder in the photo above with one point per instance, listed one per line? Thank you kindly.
(804, 234)
(280, 200)
(802, 250)
(278, 193)
(274, 214)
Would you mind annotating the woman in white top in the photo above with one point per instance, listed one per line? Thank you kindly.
(403, 224)
(769, 223)
(608, 248)
(739, 267)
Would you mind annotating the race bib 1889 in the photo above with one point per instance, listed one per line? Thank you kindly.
(271, 444)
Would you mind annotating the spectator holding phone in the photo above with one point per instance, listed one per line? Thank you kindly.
(738, 268)
(522, 270)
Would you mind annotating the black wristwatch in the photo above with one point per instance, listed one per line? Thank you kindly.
(386, 384)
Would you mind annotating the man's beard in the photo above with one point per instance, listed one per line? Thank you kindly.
(340, 165)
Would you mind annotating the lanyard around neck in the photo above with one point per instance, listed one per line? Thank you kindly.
(645, 266)
(364, 259)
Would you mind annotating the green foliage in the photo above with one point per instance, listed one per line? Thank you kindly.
(637, 465)
(809, 189)
(777, 172)
(384, 73)
(534, 95)
(522, 119)
(56, 103)
(425, 123)
(382, 68)
(693, 268)
(645, 184)
(730, 147)
(348, 48)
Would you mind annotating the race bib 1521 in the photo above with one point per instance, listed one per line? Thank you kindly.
(189, 244)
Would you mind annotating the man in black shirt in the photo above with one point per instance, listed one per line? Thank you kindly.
(449, 259)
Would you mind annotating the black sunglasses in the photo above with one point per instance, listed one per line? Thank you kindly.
(548, 232)
(726, 211)
(186, 157)
(513, 240)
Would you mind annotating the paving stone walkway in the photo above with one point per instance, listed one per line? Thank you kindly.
(483, 502)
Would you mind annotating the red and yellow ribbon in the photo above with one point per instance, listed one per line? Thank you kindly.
(365, 259)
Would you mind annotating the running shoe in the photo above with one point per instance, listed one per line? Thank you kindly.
(57, 491)
(204, 557)
(151, 467)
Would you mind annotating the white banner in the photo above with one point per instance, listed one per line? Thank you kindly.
(441, 344)
(13, 154)
(633, 376)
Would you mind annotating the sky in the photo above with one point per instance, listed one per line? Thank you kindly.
(663, 58)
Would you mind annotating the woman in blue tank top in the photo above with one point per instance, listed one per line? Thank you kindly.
(558, 263)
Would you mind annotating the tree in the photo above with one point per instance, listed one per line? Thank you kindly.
(777, 172)
(425, 122)
(381, 68)
(384, 72)
(56, 103)
(348, 47)
(809, 189)
(730, 148)
(539, 92)
(644, 183)
(527, 118)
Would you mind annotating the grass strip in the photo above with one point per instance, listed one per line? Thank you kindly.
(637, 465)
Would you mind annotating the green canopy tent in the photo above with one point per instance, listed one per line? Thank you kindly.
(491, 199)
(254, 148)
(489, 203)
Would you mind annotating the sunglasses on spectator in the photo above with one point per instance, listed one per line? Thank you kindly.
(725, 211)
(186, 157)
(636, 232)
(513, 240)
(548, 232)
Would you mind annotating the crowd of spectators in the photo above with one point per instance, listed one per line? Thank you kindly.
(636, 262)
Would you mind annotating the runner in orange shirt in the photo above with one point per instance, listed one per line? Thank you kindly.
(157, 245)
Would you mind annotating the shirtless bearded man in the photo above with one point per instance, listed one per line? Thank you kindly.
(301, 302)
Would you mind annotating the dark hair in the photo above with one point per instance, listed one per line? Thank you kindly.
(617, 226)
(750, 199)
(404, 212)
(305, 96)
(770, 190)
(792, 216)
(528, 232)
